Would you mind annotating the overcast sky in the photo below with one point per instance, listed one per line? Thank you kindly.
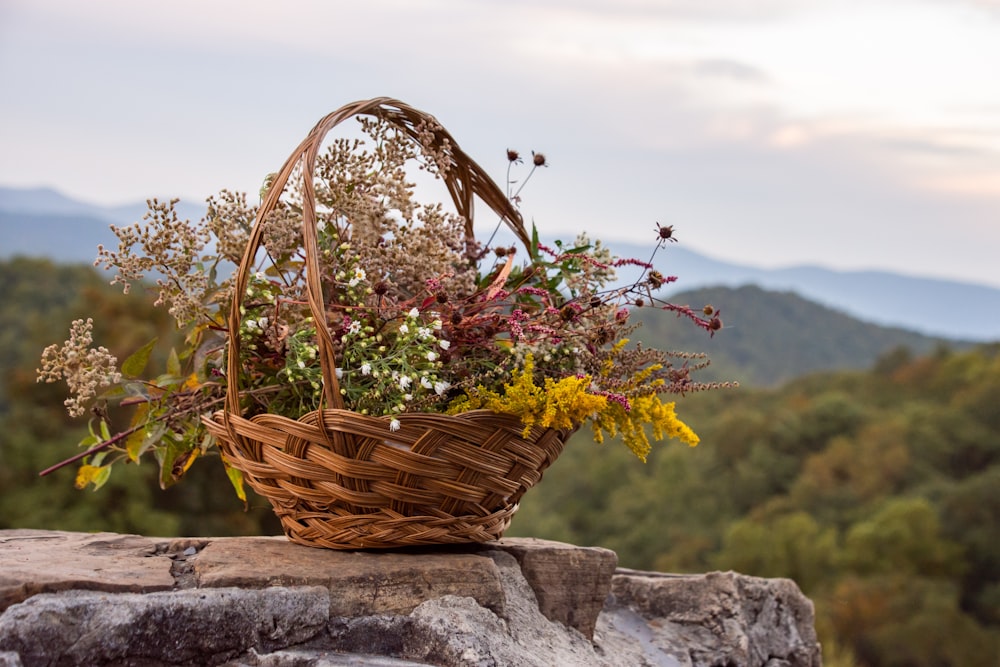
(850, 134)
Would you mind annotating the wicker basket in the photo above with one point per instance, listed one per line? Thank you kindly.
(342, 480)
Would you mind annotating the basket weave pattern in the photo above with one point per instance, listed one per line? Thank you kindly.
(343, 480)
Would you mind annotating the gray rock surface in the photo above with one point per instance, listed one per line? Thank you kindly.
(720, 618)
(36, 561)
(105, 599)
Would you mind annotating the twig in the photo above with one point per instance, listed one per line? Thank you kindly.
(93, 450)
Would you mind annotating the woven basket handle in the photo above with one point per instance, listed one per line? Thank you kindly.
(464, 179)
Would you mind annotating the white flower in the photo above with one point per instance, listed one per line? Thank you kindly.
(445, 344)
(414, 313)
(404, 382)
(424, 333)
(394, 425)
(302, 364)
(339, 372)
(366, 369)
(359, 275)
(355, 327)
(403, 329)
(432, 355)
(262, 322)
(436, 324)
(251, 324)
(426, 383)
(441, 387)
(407, 397)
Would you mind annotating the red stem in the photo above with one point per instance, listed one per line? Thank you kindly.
(93, 450)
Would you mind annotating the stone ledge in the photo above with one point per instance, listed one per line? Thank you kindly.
(91, 599)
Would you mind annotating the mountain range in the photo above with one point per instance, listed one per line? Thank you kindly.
(42, 222)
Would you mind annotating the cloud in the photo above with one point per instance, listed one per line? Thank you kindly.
(694, 10)
(730, 69)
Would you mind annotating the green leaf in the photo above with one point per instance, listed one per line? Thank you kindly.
(173, 364)
(136, 364)
(105, 431)
(236, 479)
(103, 473)
(115, 392)
(166, 454)
(138, 442)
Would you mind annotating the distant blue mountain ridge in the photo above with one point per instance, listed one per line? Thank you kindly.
(41, 222)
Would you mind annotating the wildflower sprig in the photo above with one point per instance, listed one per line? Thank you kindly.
(422, 317)
(560, 404)
(388, 369)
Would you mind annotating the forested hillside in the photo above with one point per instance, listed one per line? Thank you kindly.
(771, 337)
(875, 489)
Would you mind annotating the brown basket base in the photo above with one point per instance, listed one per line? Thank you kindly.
(342, 480)
(386, 530)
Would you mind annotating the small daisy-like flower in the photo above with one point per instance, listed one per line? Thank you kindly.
(432, 356)
(394, 425)
(426, 383)
(445, 344)
(403, 329)
(355, 327)
(366, 369)
(404, 382)
(359, 275)
(424, 333)
(441, 387)
(414, 313)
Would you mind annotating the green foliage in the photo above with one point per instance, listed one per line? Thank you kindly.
(43, 298)
(876, 491)
(792, 545)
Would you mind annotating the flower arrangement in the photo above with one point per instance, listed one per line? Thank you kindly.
(422, 316)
